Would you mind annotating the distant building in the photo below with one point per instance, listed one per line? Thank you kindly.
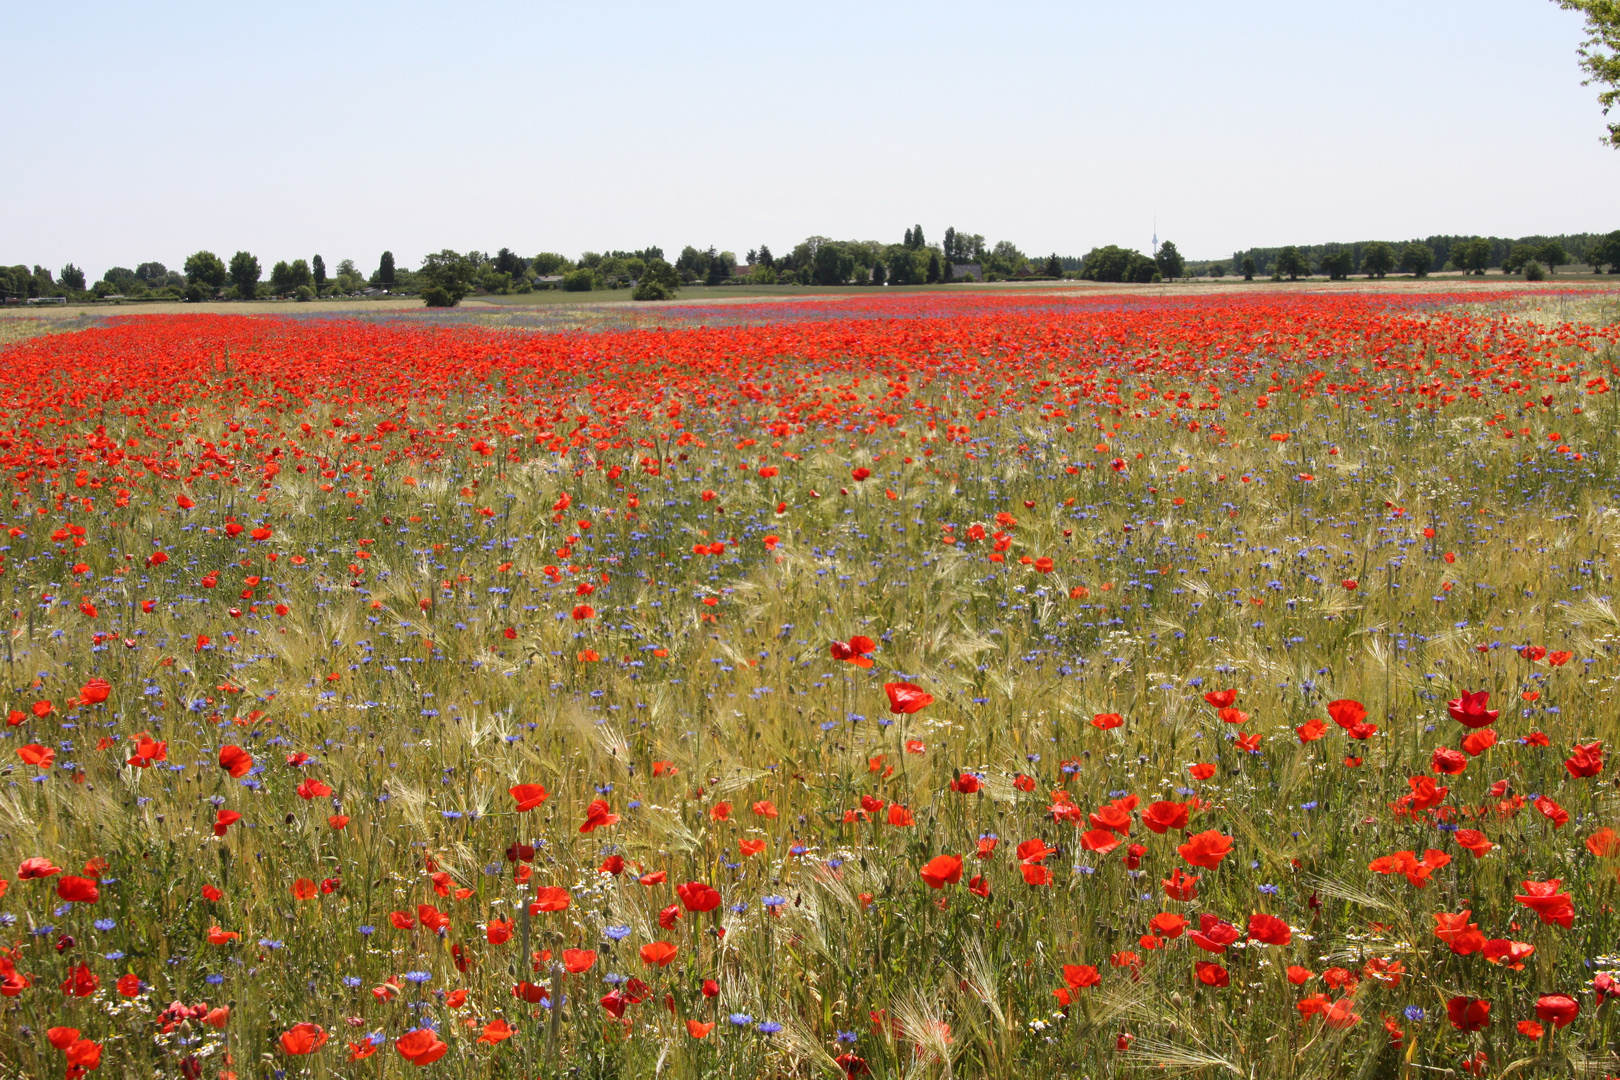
(967, 270)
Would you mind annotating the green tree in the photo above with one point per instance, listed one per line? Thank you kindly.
(385, 275)
(1377, 259)
(917, 242)
(906, 243)
(580, 280)
(1248, 267)
(879, 274)
(548, 263)
(1553, 254)
(1292, 263)
(1600, 53)
(1108, 263)
(1005, 259)
(1471, 256)
(206, 269)
(691, 264)
(244, 272)
(448, 276)
(71, 277)
(1171, 264)
(1517, 257)
(658, 282)
(151, 272)
(1417, 258)
(831, 264)
(722, 265)
(318, 268)
(1338, 264)
(905, 267)
(281, 282)
(1606, 252)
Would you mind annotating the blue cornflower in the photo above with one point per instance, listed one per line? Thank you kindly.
(104, 924)
(617, 933)
(1415, 1013)
(418, 976)
(740, 1019)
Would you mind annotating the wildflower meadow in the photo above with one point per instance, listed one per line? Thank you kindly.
(981, 685)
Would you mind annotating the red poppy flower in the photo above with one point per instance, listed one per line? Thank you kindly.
(528, 796)
(942, 870)
(598, 815)
(1211, 974)
(1214, 934)
(1206, 849)
(1550, 810)
(1447, 762)
(550, 898)
(1508, 954)
(303, 1038)
(658, 953)
(235, 760)
(421, 1047)
(1586, 760)
(1180, 886)
(83, 1055)
(312, 788)
(1311, 730)
(78, 890)
(1080, 976)
(904, 698)
(1268, 929)
(1469, 710)
(1168, 924)
(496, 1031)
(697, 896)
(1546, 901)
(1468, 1014)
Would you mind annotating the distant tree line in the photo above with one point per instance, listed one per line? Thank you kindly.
(1529, 255)
(444, 278)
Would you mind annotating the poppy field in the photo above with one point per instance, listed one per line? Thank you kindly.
(923, 686)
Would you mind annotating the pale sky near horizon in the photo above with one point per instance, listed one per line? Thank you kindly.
(146, 132)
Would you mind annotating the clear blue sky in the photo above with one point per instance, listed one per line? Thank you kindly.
(148, 131)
